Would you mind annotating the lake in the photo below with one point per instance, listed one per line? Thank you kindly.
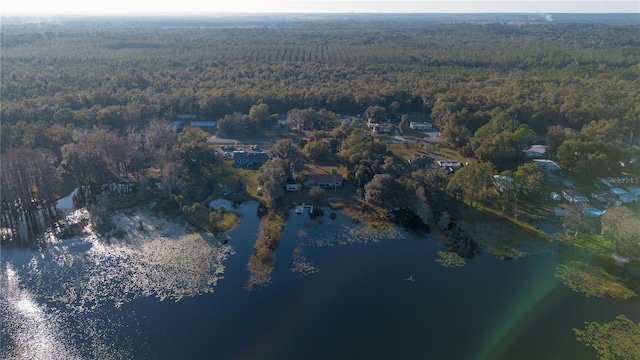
(355, 294)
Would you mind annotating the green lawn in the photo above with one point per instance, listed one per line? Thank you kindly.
(596, 243)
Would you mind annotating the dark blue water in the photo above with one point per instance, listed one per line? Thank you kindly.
(373, 297)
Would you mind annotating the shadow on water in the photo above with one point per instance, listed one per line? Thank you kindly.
(461, 242)
(408, 220)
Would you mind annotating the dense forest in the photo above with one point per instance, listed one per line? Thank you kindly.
(76, 94)
(544, 73)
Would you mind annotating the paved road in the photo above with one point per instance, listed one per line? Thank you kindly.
(247, 139)
(214, 139)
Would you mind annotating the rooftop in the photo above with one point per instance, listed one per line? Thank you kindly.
(324, 178)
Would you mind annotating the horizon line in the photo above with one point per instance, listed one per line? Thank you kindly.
(238, 13)
(317, 7)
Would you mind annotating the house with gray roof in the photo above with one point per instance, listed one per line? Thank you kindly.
(250, 158)
(421, 162)
(327, 181)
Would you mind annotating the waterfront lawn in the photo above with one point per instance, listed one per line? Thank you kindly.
(595, 243)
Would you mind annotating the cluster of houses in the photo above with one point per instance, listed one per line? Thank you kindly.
(614, 195)
(257, 158)
(611, 197)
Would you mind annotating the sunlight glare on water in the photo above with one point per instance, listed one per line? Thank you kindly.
(29, 331)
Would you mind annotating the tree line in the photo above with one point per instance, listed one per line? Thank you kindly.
(110, 77)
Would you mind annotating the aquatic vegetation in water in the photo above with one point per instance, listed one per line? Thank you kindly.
(618, 339)
(592, 280)
(343, 231)
(301, 266)
(154, 258)
(450, 259)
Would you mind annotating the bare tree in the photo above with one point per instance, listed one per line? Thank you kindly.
(28, 182)
(171, 178)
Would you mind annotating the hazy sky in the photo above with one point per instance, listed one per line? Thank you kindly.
(107, 7)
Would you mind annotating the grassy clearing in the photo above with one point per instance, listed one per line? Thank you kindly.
(324, 168)
(229, 221)
(596, 243)
(407, 150)
(247, 177)
(444, 152)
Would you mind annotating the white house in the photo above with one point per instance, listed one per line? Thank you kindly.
(324, 180)
(536, 151)
(418, 125)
